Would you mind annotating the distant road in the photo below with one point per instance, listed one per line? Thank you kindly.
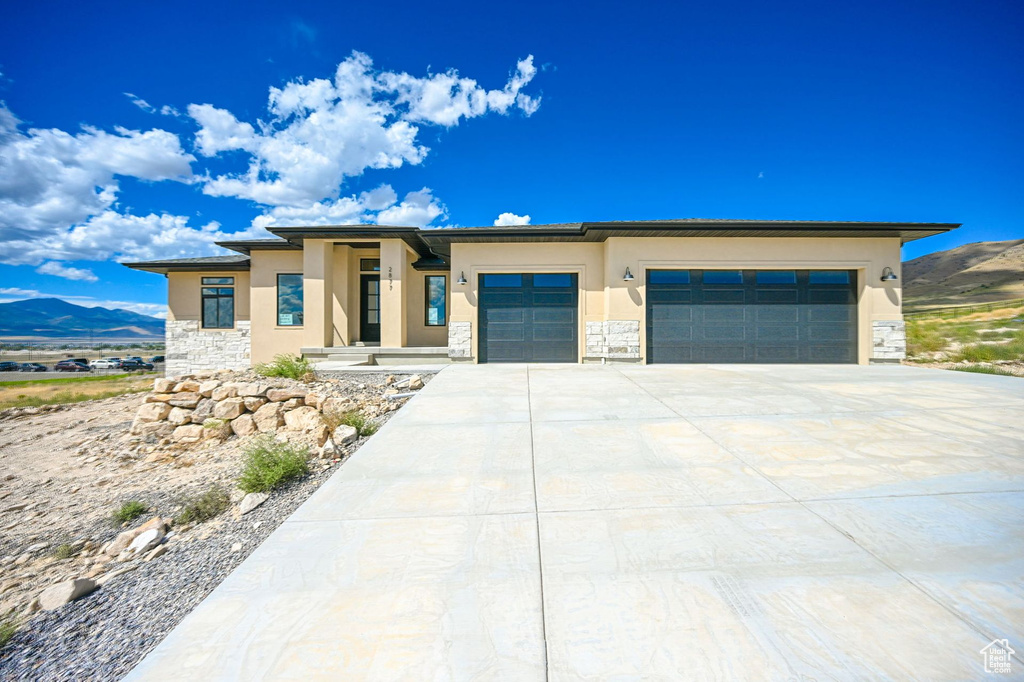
(35, 376)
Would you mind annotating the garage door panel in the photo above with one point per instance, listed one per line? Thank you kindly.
(528, 318)
(766, 319)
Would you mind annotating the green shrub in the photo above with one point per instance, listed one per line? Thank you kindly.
(204, 506)
(357, 420)
(284, 365)
(129, 511)
(269, 463)
(65, 551)
(7, 629)
(214, 423)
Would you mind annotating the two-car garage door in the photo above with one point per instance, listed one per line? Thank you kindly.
(718, 316)
(761, 316)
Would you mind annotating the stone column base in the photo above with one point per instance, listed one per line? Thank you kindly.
(889, 338)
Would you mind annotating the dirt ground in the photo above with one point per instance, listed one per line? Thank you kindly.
(65, 470)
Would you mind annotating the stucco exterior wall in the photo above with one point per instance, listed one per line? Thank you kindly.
(606, 298)
(191, 348)
(269, 338)
(417, 331)
(184, 298)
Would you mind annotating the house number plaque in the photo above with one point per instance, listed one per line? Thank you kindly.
(391, 282)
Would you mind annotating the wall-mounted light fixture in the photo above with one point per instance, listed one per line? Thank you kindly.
(628, 277)
(461, 279)
(888, 275)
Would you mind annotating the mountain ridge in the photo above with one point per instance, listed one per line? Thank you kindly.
(54, 318)
(980, 272)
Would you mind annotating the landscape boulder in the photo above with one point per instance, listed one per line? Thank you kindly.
(178, 415)
(292, 403)
(58, 595)
(224, 392)
(250, 390)
(251, 501)
(253, 403)
(153, 412)
(217, 429)
(269, 418)
(207, 387)
(158, 429)
(279, 395)
(334, 405)
(345, 434)
(187, 386)
(302, 419)
(203, 411)
(244, 425)
(186, 399)
(187, 433)
(163, 385)
(229, 408)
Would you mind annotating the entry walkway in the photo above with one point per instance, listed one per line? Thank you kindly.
(689, 522)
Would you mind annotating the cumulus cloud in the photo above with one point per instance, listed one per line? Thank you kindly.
(509, 219)
(321, 132)
(51, 180)
(61, 270)
(158, 310)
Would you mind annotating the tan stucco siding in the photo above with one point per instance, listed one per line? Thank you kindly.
(605, 296)
(418, 333)
(269, 338)
(184, 295)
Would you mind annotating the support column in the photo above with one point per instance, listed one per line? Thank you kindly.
(317, 293)
(393, 260)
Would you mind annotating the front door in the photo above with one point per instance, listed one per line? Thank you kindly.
(369, 308)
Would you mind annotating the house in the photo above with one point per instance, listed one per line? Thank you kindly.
(666, 291)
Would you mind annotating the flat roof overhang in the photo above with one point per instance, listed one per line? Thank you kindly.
(212, 264)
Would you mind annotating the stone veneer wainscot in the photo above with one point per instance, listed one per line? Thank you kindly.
(460, 340)
(190, 349)
(613, 340)
(890, 340)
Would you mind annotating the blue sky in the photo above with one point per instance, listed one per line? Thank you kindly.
(785, 110)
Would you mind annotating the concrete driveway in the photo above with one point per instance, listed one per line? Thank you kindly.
(661, 523)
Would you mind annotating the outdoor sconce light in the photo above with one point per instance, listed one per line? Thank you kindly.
(628, 277)
(461, 279)
(888, 275)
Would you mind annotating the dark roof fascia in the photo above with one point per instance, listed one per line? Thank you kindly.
(191, 265)
(432, 265)
(596, 232)
(410, 235)
(246, 246)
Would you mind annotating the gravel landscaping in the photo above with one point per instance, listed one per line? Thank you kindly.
(102, 635)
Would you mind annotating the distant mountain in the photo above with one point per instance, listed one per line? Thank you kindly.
(982, 272)
(52, 318)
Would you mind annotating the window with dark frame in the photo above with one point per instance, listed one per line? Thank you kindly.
(289, 300)
(218, 302)
(437, 311)
(369, 264)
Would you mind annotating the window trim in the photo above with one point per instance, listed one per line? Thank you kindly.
(363, 260)
(426, 301)
(277, 297)
(217, 297)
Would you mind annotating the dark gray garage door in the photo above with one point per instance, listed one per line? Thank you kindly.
(751, 316)
(528, 318)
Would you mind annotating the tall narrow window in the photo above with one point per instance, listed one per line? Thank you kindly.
(218, 302)
(289, 300)
(436, 309)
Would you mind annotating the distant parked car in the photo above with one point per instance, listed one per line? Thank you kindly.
(81, 361)
(71, 366)
(106, 363)
(10, 367)
(32, 367)
(156, 358)
(135, 364)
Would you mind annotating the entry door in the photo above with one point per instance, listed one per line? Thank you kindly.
(528, 317)
(799, 316)
(369, 308)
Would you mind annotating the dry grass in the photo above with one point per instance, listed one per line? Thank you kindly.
(995, 336)
(63, 391)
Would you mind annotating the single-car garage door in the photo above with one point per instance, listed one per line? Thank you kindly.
(528, 317)
(752, 316)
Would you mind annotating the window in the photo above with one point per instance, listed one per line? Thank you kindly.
(552, 280)
(289, 300)
(436, 309)
(668, 276)
(369, 264)
(776, 277)
(503, 280)
(218, 303)
(723, 277)
(829, 277)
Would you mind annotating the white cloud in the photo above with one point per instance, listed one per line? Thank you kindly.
(321, 131)
(509, 219)
(417, 209)
(61, 270)
(140, 103)
(158, 310)
(51, 180)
